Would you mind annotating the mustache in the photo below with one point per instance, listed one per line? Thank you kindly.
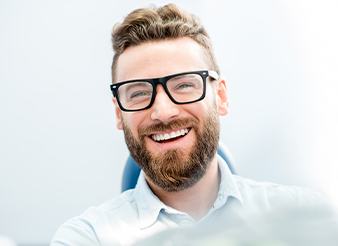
(161, 127)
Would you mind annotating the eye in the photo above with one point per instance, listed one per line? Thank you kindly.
(140, 94)
(184, 83)
(183, 86)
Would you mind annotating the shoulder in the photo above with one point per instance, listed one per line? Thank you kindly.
(89, 228)
(270, 195)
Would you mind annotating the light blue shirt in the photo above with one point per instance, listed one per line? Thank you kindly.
(138, 213)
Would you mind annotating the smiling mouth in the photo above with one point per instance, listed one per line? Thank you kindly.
(169, 137)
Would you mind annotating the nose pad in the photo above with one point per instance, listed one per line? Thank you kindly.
(163, 109)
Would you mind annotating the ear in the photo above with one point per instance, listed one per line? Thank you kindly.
(222, 96)
(118, 114)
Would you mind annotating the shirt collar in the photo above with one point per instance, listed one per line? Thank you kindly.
(227, 187)
(149, 206)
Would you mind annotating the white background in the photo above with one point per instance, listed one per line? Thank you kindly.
(60, 151)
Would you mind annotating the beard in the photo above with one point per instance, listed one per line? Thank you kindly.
(176, 169)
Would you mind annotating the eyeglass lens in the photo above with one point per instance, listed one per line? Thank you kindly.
(184, 88)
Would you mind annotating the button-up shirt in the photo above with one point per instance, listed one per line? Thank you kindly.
(138, 213)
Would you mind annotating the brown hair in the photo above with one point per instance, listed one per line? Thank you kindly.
(159, 23)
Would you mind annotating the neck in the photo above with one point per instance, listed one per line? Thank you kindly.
(197, 200)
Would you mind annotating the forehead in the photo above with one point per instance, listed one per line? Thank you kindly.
(160, 58)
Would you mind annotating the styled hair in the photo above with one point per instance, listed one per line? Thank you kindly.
(156, 24)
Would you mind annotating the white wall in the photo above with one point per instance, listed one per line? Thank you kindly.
(59, 149)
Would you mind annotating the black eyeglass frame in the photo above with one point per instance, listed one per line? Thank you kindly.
(163, 81)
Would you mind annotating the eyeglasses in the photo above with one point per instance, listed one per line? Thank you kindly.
(182, 88)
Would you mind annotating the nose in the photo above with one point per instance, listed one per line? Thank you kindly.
(163, 109)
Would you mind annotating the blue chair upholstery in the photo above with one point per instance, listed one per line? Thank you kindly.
(132, 169)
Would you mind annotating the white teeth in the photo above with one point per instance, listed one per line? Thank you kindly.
(166, 136)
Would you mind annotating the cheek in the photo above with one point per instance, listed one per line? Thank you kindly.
(206, 107)
(133, 121)
(197, 110)
(209, 102)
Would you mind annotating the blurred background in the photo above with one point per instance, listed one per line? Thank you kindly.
(60, 151)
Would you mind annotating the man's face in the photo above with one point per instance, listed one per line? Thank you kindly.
(181, 161)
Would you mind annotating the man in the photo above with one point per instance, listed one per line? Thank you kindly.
(168, 97)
